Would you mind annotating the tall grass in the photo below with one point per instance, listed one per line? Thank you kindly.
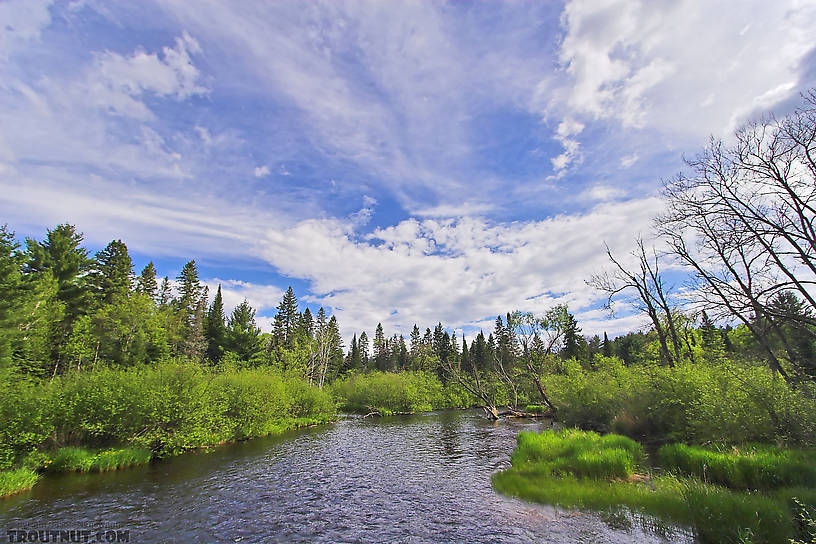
(581, 469)
(15, 481)
(580, 453)
(83, 460)
(753, 467)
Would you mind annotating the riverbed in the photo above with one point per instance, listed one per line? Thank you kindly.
(422, 478)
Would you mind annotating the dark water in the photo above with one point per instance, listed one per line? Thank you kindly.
(419, 478)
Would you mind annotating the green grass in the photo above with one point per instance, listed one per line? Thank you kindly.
(15, 481)
(83, 460)
(536, 409)
(754, 467)
(578, 469)
(579, 453)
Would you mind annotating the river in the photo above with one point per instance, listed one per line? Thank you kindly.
(423, 478)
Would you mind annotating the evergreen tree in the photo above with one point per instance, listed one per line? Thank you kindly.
(216, 328)
(286, 320)
(165, 292)
(402, 355)
(362, 345)
(306, 324)
(607, 347)
(572, 342)
(112, 273)
(195, 343)
(244, 335)
(380, 349)
(465, 359)
(61, 256)
(189, 288)
(146, 283)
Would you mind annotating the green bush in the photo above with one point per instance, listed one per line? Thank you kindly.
(164, 408)
(388, 393)
(695, 403)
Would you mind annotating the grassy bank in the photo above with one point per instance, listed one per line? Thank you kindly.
(576, 469)
(403, 393)
(108, 419)
(15, 481)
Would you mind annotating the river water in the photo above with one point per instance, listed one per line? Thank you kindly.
(423, 478)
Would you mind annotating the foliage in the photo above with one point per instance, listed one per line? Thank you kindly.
(388, 393)
(83, 460)
(15, 481)
(753, 467)
(578, 469)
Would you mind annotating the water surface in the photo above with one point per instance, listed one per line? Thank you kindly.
(423, 478)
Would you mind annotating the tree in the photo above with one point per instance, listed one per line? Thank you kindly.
(286, 320)
(362, 344)
(244, 335)
(112, 272)
(380, 349)
(540, 337)
(146, 282)
(165, 292)
(189, 288)
(216, 328)
(61, 255)
(643, 286)
(607, 347)
(742, 219)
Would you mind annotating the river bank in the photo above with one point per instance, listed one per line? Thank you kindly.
(758, 494)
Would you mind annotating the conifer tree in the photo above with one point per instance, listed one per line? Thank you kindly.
(165, 292)
(189, 288)
(306, 324)
(146, 283)
(112, 272)
(380, 349)
(464, 362)
(362, 345)
(244, 335)
(286, 320)
(61, 255)
(216, 328)
(607, 346)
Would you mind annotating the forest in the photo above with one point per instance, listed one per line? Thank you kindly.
(102, 367)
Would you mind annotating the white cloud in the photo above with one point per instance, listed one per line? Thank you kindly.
(233, 292)
(261, 171)
(685, 67)
(443, 270)
(21, 22)
(628, 160)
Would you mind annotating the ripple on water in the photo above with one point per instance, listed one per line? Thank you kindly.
(403, 479)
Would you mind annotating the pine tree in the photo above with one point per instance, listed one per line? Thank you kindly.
(195, 344)
(189, 288)
(216, 328)
(465, 360)
(362, 345)
(112, 272)
(286, 320)
(306, 324)
(607, 346)
(61, 256)
(244, 335)
(165, 292)
(380, 349)
(146, 282)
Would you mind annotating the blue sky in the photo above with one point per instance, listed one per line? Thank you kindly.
(402, 162)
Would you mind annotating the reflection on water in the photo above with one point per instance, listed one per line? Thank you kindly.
(422, 478)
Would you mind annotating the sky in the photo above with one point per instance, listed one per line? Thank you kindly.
(394, 162)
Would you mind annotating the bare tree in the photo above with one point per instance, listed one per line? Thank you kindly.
(644, 287)
(743, 221)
